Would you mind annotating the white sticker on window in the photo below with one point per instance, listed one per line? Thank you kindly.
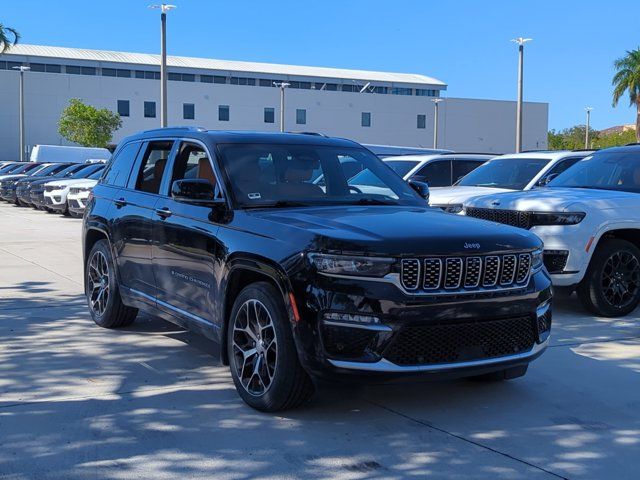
(254, 196)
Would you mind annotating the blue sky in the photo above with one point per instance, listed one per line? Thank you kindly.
(464, 43)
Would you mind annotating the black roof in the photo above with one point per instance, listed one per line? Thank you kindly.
(230, 136)
(635, 148)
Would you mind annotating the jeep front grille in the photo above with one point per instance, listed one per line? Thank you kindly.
(465, 274)
(514, 218)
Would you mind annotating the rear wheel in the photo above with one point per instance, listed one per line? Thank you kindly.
(102, 291)
(611, 286)
(262, 355)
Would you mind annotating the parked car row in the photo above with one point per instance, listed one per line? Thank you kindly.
(46, 185)
(584, 206)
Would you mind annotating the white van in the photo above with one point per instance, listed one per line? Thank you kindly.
(62, 153)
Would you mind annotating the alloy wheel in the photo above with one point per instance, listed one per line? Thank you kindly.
(98, 281)
(255, 347)
(621, 279)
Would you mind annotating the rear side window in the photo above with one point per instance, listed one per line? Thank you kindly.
(152, 166)
(462, 167)
(117, 172)
(436, 174)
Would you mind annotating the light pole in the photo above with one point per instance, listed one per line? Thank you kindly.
(436, 101)
(164, 8)
(586, 132)
(281, 86)
(22, 69)
(520, 41)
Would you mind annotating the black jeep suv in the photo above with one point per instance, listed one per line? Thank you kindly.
(261, 242)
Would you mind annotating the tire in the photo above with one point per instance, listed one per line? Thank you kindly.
(611, 285)
(289, 385)
(109, 313)
(500, 375)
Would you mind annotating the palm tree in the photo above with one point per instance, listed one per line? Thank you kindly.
(8, 38)
(627, 78)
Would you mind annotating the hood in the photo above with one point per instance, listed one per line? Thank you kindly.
(459, 195)
(389, 230)
(556, 200)
(64, 183)
(83, 183)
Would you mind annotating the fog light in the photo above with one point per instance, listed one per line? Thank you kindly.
(348, 317)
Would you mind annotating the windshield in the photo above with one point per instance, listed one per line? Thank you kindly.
(69, 170)
(96, 175)
(282, 175)
(9, 168)
(51, 170)
(508, 173)
(37, 170)
(605, 171)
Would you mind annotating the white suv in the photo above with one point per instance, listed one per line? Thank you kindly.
(518, 171)
(55, 193)
(589, 221)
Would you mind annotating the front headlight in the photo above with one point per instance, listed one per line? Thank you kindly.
(537, 260)
(351, 265)
(553, 218)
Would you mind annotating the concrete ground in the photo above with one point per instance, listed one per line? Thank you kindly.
(152, 401)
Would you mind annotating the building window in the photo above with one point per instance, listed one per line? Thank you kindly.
(147, 75)
(188, 111)
(263, 82)
(223, 113)
(425, 92)
(242, 81)
(3, 65)
(109, 72)
(206, 78)
(422, 121)
(54, 68)
(219, 79)
(150, 109)
(366, 119)
(73, 70)
(123, 108)
(269, 115)
(401, 91)
(88, 71)
(347, 88)
(124, 73)
(37, 67)
(301, 116)
(12, 65)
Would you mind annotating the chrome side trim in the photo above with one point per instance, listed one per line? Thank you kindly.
(362, 326)
(385, 366)
(179, 311)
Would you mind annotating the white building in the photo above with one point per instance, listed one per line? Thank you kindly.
(369, 107)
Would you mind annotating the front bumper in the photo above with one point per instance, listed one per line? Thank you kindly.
(77, 204)
(568, 245)
(455, 336)
(8, 194)
(55, 200)
(24, 194)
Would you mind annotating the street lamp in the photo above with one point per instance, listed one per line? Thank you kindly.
(436, 101)
(164, 8)
(22, 69)
(520, 41)
(281, 86)
(586, 132)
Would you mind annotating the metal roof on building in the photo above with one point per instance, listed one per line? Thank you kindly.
(221, 65)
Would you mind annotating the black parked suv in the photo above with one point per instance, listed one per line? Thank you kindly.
(226, 234)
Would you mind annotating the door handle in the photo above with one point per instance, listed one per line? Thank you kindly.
(120, 202)
(163, 212)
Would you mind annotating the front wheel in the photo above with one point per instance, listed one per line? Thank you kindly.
(611, 286)
(262, 355)
(102, 290)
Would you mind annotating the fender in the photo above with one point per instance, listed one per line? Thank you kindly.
(603, 229)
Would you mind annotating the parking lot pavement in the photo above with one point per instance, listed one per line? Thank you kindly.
(152, 401)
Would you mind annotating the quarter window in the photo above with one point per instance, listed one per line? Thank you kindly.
(152, 166)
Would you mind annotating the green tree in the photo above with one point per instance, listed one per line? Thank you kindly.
(615, 139)
(627, 80)
(570, 138)
(8, 38)
(87, 125)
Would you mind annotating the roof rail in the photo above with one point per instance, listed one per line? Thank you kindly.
(183, 128)
(315, 134)
(584, 149)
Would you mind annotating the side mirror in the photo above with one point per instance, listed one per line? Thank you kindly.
(546, 180)
(195, 192)
(421, 188)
